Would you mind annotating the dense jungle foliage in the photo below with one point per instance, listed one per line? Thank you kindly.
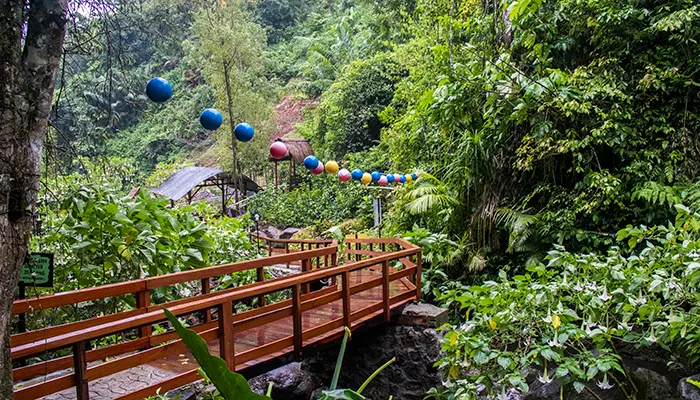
(557, 142)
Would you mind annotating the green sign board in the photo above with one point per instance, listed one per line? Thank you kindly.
(38, 271)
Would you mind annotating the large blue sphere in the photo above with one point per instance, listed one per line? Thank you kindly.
(403, 178)
(356, 174)
(390, 178)
(311, 163)
(244, 132)
(211, 119)
(159, 90)
(376, 175)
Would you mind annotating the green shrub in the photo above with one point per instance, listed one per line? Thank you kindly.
(322, 204)
(644, 293)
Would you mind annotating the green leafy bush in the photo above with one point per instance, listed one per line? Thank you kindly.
(642, 294)
(323, 203)
(347, 119)
(100, 236)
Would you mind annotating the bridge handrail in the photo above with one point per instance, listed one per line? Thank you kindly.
(146, 284)
(292, 241)
(222, 301)
(242, 293)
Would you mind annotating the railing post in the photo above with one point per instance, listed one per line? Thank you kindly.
(296, 318)
(346, 300)
(226, 339)
(419, 272)
(334, 262)
(286, 251)
(206, 288)
(143, 299)
(318, 258)
(385, 291)
(304, 269)
(80, 365)
(261, 277)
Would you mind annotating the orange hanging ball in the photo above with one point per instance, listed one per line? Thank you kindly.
(332, 167)
(366, 178)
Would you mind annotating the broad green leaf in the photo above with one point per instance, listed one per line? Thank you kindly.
(231, 385)
(340, 394)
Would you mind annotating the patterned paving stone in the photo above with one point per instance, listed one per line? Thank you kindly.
(119, 384)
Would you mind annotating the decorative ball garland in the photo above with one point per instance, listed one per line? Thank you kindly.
(316, 167)
(159, 90)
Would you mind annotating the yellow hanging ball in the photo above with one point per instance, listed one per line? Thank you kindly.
(366, 178)
(332, 167)
(409, 178)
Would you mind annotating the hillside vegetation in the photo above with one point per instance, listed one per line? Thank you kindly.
(558, 145)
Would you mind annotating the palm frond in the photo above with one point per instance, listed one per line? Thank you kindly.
(428, 194)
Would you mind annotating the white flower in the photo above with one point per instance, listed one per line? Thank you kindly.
(651, 338)
(605, 296)
(555, 342)
(548, 319)
(605, 385)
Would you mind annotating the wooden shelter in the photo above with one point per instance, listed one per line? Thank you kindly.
(297, 150)
(188, 181)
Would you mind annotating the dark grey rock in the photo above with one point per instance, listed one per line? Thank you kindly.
(652, 386)
(288, 233)
(288, 382)
(423, 314)
(273, 232)
(416, 350)
(688, 391)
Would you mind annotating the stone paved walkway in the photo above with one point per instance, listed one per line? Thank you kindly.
(119, 384)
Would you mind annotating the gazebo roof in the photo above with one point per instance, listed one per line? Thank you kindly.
(183, 181)
(297, 149)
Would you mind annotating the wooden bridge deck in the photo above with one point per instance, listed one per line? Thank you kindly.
(360, 290)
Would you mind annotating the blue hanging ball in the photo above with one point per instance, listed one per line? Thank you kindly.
(403, 178)
(356, 174)
(390, 178)
(375, 176)
(414, 176)
(211, 119)
(244, 132)
(311, 163)
(159, 90)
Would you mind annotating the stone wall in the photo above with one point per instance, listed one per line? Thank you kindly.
(416, 348)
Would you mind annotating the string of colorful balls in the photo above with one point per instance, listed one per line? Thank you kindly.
(278, 151)
(159, 90)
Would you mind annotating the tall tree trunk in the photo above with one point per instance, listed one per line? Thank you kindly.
(234, 143)
(27, 70)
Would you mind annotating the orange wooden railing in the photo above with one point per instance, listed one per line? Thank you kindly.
(147, 347)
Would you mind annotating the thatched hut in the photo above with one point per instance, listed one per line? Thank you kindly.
(297, 150)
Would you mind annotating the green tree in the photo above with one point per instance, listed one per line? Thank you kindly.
(230, 47)
(31, 41)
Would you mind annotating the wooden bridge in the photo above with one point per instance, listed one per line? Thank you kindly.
(284, 315)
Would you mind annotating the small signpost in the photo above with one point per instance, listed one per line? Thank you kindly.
(37, 271)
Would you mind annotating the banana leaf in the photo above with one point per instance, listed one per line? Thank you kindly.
(340, 394)
(231, 385)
